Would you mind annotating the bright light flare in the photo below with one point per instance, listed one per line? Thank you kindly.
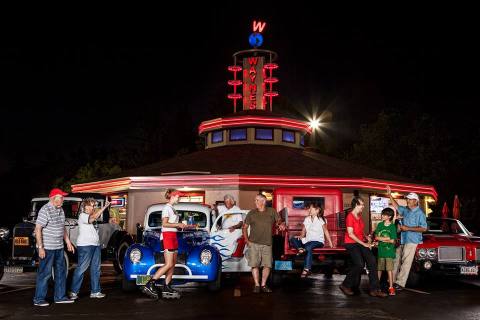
(314, 124)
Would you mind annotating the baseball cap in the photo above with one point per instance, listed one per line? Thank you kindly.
(176, 193)
(413, 195)
(56, 192)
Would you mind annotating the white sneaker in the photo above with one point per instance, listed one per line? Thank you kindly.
(73, 295)
(41, 304)
(66, 300)
(97, 295)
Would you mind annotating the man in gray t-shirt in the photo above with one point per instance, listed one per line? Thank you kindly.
(50, 233)
(259, 240)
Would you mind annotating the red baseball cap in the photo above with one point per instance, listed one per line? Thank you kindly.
(56, 192)
(176, 193)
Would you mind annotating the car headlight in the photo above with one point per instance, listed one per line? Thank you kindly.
(432, 253)
(135, 255)
(422, 253)
(4, 232)
(205, 257)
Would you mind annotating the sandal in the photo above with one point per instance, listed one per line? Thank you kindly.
(300, 251)
(305, 273)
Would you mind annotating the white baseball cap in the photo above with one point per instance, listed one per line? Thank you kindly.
(413, 195)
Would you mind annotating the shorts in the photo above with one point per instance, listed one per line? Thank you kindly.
(385, 264)
(259, 255)
(170, 242)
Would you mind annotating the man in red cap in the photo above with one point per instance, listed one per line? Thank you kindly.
(50, 233)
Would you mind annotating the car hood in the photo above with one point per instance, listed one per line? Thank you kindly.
(450, 239)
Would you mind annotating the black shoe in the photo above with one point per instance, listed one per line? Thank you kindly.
(346, 291)
(397, 287)
(169, 293)
(150, 290)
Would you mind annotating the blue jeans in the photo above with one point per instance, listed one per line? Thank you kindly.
(53, 259)
(309, 246)
(88, 256)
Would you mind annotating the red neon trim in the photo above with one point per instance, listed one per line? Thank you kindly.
(234, 82)
(271, 66)
(271, 80)
(271, 94)
(251, 120)
(234, 68)
(234, 96)
(275, 181)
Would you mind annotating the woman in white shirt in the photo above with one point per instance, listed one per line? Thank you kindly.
(88, 249)
(170, 224)
(313, 236)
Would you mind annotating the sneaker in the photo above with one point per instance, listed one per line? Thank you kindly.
(73, 295)
(391, 291)
(97, 295)
(41, 304)
(150, 290)
(397, 287)
(66, 300)
(378, 293)
(346, 291)
(266, 289)
(256, 289)
(169, 293)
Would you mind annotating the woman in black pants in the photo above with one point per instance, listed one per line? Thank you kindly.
(360, 252)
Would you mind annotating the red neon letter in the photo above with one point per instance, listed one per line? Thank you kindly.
(258, 26)
(252, 60)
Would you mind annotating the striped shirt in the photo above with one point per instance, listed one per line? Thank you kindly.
(52, 220)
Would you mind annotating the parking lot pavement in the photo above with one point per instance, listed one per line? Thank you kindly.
(293, 299)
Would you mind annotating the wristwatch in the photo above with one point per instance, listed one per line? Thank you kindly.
(39, 247)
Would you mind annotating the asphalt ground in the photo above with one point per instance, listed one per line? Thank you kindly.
(314, 298)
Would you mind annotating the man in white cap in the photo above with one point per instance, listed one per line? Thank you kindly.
(412, 225)
(230, 221)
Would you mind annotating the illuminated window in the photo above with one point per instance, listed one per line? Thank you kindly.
(302, 140)
(238, 134)
(217, 136)
(263, 134)
(288, 136)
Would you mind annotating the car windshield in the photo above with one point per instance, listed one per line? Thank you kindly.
(70, 207)
(444, 226)
(199, 218)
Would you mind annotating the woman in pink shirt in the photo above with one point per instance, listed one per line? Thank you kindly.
(360, 252)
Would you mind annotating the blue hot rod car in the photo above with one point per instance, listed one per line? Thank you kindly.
(198, 259)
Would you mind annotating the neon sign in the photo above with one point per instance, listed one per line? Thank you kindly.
(257, 74)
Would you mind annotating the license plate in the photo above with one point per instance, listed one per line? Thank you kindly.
(283, 265)
(13, 269)
(21, 241)
(469, 270)
(142, 279)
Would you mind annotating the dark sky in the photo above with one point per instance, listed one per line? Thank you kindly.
(89, 80)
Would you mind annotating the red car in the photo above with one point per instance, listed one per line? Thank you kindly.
(448, 248)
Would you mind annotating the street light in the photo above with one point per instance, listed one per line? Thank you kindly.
(314, 124)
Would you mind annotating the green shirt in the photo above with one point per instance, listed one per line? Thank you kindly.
(261, 223)
(385, 249)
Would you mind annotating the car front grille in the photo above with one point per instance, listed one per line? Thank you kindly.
(451, 254)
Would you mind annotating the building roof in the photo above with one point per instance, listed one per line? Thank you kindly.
(260, 160)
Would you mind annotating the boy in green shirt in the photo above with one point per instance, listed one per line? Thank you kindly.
(386, 233)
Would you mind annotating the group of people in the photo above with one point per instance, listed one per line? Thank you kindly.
(395, 261)
(50, 236)
(257, 228)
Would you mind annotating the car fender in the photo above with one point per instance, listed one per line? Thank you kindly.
(146, 261)
(197, 268)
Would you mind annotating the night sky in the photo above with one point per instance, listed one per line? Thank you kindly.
(91, 82)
